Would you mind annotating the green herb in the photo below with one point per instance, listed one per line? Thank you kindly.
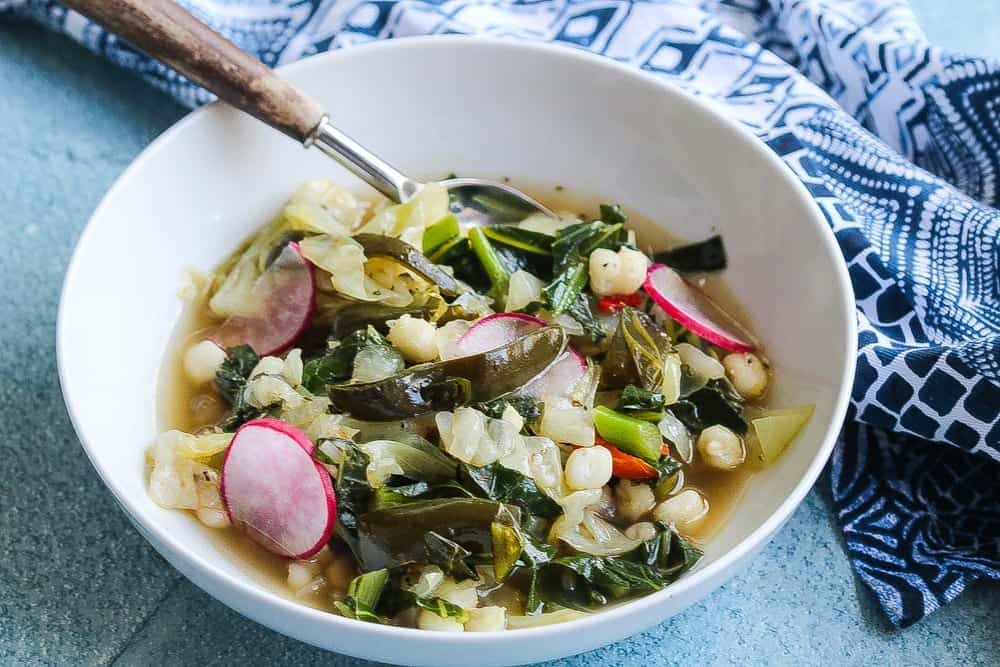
(716, 403)
(494, 266)
(497, 482)
(448, 555)
(570, 250)
(363, 596)
(707, 255)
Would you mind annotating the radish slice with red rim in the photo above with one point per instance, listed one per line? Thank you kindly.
(282, 302)
(694, 310)
(273, 488)
(501, 328)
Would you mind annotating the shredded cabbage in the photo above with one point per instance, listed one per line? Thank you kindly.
(408, 221)
(581, 528)
(172, 481)
(416, 458)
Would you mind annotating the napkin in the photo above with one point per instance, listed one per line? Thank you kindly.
(897, 141)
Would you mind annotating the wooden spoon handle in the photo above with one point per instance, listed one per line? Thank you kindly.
(167, 32)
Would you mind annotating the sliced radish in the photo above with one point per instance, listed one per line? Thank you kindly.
(694, 310)
(496, 330)
(282, 300)
(272, 487)
(501, 328)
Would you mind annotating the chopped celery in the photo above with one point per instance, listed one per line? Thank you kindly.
(633, 436)
(494, 266)
(776, 429)
(444, 231)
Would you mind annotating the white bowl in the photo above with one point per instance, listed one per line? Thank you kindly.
(540, 114)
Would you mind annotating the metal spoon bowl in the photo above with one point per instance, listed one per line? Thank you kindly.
(167, 32)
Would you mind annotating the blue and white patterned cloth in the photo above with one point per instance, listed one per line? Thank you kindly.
(898, 142)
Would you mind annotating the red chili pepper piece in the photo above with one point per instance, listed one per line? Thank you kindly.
(615, 302)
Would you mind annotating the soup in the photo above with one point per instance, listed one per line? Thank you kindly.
(397, 420)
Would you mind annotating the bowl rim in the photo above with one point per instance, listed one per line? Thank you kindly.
(700, 576)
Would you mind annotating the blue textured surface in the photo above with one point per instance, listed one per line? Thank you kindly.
(79, 586)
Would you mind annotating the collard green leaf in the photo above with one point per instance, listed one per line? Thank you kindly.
(352, 493)
(445, 385)
(464, 263)
(715, 403)
(504, 485)
(396, 600)
(637, 352)
(338, 363)
(582, 311)
(231, 380)
(395, 535)
(613, 214)
(526, 240)
(565, 288)
(641, 403)
(448, 555)
(526, 406)
(363, 595)
(703, 256)
(232, 375)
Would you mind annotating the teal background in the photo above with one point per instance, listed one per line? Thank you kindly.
(78, 585)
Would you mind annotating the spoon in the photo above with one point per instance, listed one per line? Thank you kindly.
(167, 32)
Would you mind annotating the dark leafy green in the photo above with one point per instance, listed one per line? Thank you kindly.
(613, 214)
(352, 493)
(527, 406)
(570, 250)
(466, 266)
(232, 375)
(396, 599)
(641, 403)
(582, 310)
(707, 255)
(445, 385)
(497, 482)
(526, 240)
(447, 554)
(585, 582)
(231, 379)
(637, 352)
(359, 316)
(395, 535)
(565, 287)
(378, 245)
(716, 403)
(338, 363)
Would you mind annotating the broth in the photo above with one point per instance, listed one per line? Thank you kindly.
(187, 407)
